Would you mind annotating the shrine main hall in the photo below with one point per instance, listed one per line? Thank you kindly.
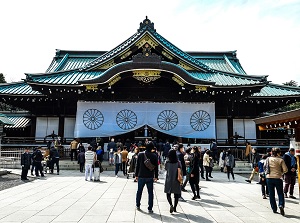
(144, 87)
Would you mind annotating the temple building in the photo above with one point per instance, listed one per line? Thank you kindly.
(144, 87)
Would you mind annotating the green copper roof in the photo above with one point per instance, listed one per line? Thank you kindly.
(64, 78)
(20, 88)
(224, 79)
(277, 90)
(4, 120)
(18, 122)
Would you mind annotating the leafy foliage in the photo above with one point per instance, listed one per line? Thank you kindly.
(2, 78)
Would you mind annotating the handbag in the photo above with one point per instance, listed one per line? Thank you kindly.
(148, 163)
(101, 168)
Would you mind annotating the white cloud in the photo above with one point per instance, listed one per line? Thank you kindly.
(264, 33)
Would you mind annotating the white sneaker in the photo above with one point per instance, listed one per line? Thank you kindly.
(116, 176)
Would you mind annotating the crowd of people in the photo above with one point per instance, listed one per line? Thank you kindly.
(143, 160)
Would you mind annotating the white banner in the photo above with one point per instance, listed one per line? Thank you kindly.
(104, 119)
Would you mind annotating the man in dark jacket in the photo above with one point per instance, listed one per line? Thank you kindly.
(166, 149)
(145, 176)
(37, 158)
(290, 176)
(54, 159)
(25, 163)
(255, 160)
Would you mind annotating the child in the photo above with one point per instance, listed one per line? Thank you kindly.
(262, 178)
(97, 170)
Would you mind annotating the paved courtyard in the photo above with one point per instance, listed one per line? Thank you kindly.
(69, 198)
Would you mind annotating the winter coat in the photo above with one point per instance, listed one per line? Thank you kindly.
(172, 185)
(26, 160)
(182, 162)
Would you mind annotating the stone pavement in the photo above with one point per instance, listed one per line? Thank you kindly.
(69, 198)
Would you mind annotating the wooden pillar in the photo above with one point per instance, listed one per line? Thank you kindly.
(33, 126)
(61, 126)
(230, 130)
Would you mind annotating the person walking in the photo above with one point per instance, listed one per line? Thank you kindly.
(173, 179)
(90, 158)
(118, 161)
(25, 163)
(206, 163)
(255, 160)
(230, 164)
(81, 160)
(180, 155)
(187, 160)
(274, 168)
(262, 177)
(290, 176)
(195, 176)
(54, 159)
(145, 175)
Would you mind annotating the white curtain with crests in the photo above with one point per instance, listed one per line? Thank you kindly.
(104, 119)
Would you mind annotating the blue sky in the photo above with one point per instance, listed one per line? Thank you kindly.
(265, 33)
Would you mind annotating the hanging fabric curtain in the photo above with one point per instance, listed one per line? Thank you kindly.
(104, 119)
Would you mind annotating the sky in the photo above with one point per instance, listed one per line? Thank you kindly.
(265, 33)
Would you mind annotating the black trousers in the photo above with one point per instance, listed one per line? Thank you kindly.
(73, 151)
(39, 168)
(55, 161)
(24, 173)
(81, 165)
(124, 167)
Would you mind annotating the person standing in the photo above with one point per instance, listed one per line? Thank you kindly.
(274, 168)
(81, 159)
(90, 158)
(173, 179)
(73, 147)
(118, 161)
(145, 176)
(111, 148)
(124, 160)
(290, 176)
(166, 149)
(194, 175)
(222, 160)
(206, 163)
(248, 152)
(25, 163)
(255, 160)
(54, 159)
(38, 158)
(230, 164)
(99, 153)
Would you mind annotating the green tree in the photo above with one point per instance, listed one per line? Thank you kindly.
(2, 78)
(291, 83)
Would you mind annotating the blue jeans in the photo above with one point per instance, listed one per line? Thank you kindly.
(273, 183)
(141, 184)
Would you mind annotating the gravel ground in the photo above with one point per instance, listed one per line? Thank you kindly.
(11, 180)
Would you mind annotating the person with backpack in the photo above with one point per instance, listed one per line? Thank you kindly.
(262, 177)
(38, 158)
(146, 175)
